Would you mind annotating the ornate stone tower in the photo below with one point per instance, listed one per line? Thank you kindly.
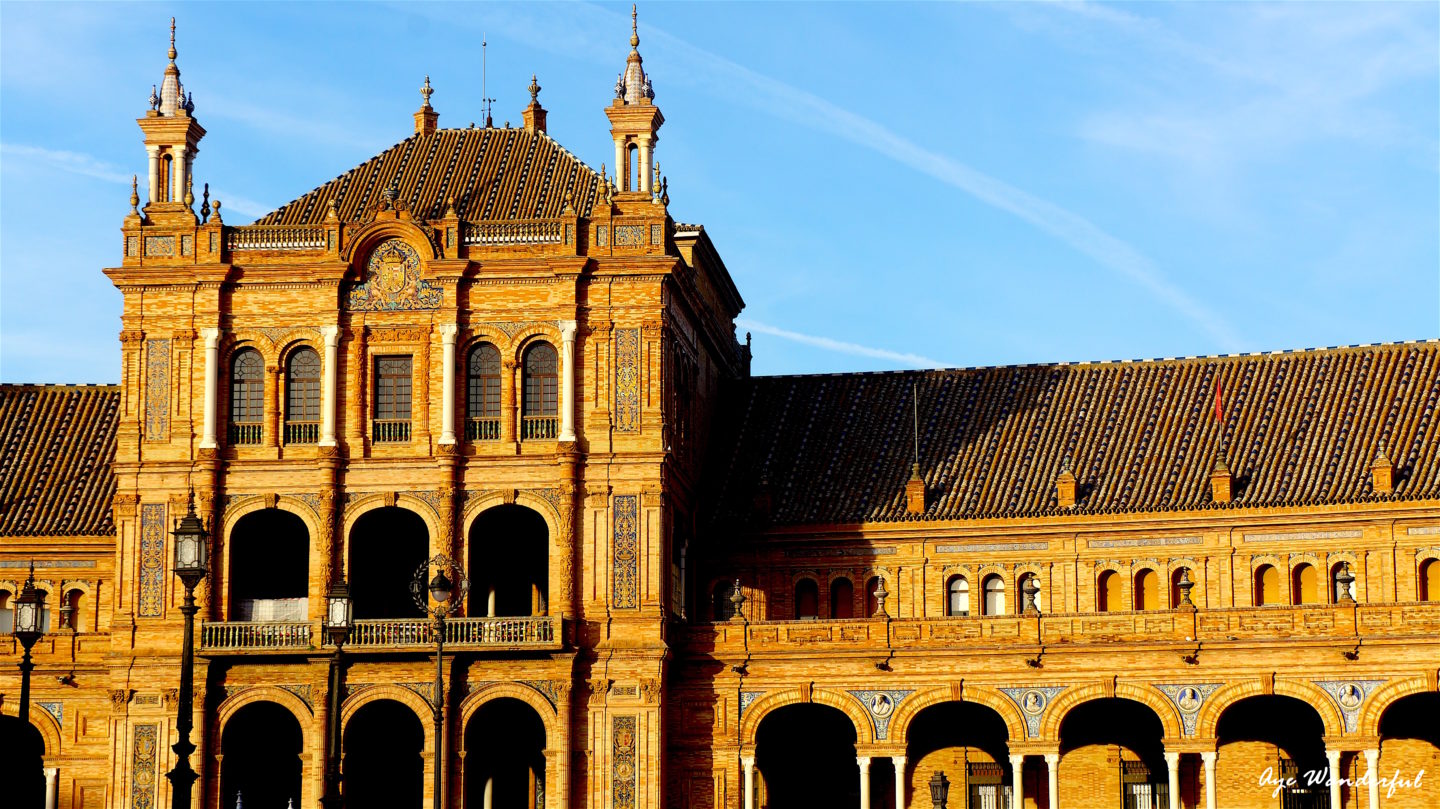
(635, 122)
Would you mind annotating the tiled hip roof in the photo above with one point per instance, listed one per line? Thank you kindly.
(492, 174)
(57, 443)
(1302, 429)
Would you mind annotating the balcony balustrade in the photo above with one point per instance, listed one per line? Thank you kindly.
(482, 429)
(391, 431)
(382, 634)
(539, 428)
(245, 433)
(275, 237)
(302, 432)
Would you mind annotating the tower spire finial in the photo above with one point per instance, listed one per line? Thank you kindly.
(426, 91)
(634, 27)
(172, 39)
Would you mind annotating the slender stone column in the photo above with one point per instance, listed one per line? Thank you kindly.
(749, 763)
(509, 407)
(1017, 777)
(567, 380)
(154, 152)
(1332, 758)
(1372, 767)
(864, 762)
(447, 385)
(622, 172)
(327, 384)
(645, 163)
(52, 787)
(177, 174)
(1208, 758)
(212, 375)
(899, 762)
(1172, 764)
(1052, 774)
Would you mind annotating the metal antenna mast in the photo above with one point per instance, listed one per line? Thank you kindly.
(484, 76)
(915, 415)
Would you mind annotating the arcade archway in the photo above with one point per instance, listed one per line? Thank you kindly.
(383, 764)
(387, 545)
(509, 556)
(805, 757)
(261, 749)
(505, 757)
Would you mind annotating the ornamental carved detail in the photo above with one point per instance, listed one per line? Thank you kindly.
(392, 282)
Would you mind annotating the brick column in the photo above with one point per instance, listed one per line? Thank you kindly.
(212, 371)
(509, 410)
(567, 380)
(447, 386)
(331, 372)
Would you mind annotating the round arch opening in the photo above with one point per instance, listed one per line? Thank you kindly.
(387, 546)
(509, 563)
(261, 763)
(1113, 747)
(383, 765)
(969, 744)
(804, 757)
(505, 756)
(1282, 734)
(269, 567)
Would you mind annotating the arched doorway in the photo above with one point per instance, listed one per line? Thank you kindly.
(22, 761)
(805, 757)
(509, 560)
(1409, 743)
(387, 546)
(383, 763)
(1274, 732)
(261, 749)
(269, 567)
(1112, 748)
(505, 757)
(968, 743)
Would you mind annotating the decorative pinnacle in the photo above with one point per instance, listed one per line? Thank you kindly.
(634, 28)
(534, 90)
(205, 205)
(189, 195)
(154, 98)
(172, 39)
(134, 194)
(426, 91)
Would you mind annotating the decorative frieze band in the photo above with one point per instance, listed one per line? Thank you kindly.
(48, 563)
(805, 553)
(1423, 530)
(971, 547)
(1140, 543)
(1290, 536)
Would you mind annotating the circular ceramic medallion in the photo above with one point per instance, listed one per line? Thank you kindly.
(1033, 702)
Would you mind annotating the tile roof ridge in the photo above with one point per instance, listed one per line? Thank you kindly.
(53, 385)
(1428, 341)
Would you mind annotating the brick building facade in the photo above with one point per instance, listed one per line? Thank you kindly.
(1060, 585)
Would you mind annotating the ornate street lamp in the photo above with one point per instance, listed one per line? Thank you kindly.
(447, 596)
(192, 563)
(338, 609)
(29, 611)
(939, 790)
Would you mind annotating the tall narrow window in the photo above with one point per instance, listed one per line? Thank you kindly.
(842, 599)
(1267, 586)
(1107, 592)
(247, 396)
(542, 393)
(959, 597)
(302, 397)
(1147, 590)
(1428, 588)
(994, 596)
(167, 178)
(1303, 584)
(807, 599)
(392, 399)
(482, 394)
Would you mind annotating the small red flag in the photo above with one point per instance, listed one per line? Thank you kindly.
(1219, 402)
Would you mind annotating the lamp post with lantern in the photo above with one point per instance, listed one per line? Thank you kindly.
(939, 790)
(29, 614)
(447, 595)
(338, 609)
(192, 563)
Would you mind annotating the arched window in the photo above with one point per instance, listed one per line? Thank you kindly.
(542, 393)
(1428, 587)
(724, 608)
(7, 613)
(167, 178)
(482, 394)
(1336, 589)
(72, 611)
(1267, 586)
(632, 168)
(1303, 584)
(1147, 590)
(247, 396)
(872, 604)
(1108, 596)
(994, 595)
(807, 599)
(959, 597)
(302, 397)
(1020, 590)
(842, 598)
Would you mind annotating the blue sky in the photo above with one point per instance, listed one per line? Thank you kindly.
(890, 185)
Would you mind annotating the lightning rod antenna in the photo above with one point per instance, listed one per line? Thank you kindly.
(484, 78)
(915, 415)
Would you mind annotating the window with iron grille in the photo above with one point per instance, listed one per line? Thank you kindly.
(482, 394)
(392, 388)
(542, 385)
(247, 396)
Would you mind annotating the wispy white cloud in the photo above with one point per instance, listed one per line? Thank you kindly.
(840, 346)
(237, 204)
(72, 162)
(746, 87)
(273, 120)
